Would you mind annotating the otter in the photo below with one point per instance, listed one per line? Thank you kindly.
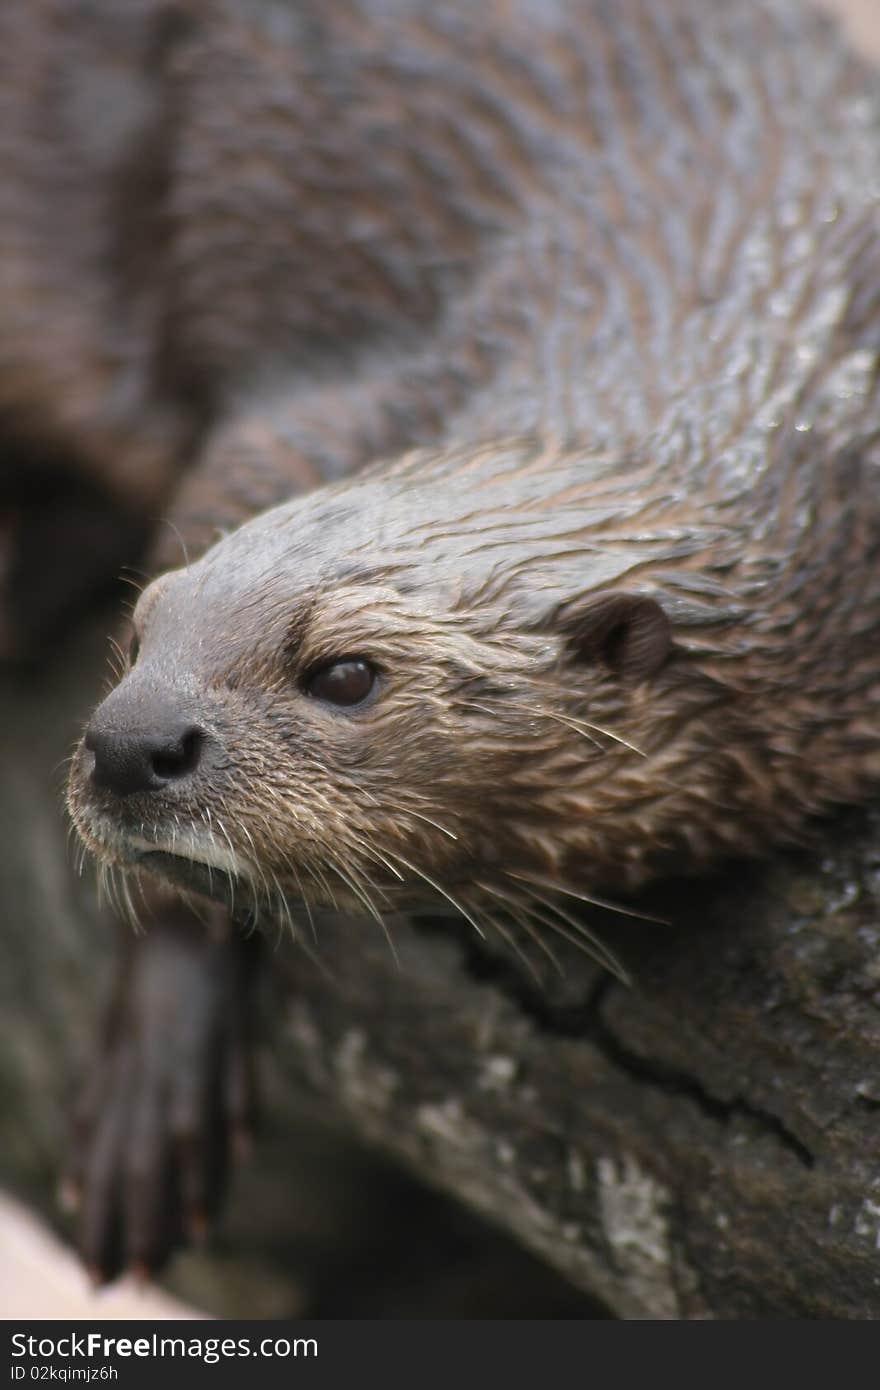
(625, 616)
(603, 599)
(492, 675)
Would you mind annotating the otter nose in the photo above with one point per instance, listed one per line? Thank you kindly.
(143, 761)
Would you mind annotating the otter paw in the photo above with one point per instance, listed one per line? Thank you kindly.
(170, 1103)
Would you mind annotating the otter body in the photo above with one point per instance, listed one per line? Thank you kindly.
(621, 613)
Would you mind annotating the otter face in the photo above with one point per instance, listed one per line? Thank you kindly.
(294, 756)
(299, 724)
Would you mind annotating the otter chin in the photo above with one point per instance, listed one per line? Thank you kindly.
(192, 862)
(466, 682)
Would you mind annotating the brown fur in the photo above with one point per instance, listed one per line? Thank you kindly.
(647, 367)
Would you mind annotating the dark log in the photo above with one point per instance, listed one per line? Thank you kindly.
(704, 1143)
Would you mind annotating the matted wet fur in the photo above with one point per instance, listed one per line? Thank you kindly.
(622, 615)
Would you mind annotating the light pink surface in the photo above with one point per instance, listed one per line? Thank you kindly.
(39, 1278)
(862, 21)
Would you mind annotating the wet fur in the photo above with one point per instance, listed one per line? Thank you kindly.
(628, 305)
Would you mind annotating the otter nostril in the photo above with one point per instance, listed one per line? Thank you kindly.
(178, 758)
(135, 761)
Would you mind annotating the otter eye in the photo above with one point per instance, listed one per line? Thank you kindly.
(342, 682)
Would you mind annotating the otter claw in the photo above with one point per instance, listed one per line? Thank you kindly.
(170, 1102)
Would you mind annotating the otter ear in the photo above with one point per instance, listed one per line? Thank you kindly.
(630, 633)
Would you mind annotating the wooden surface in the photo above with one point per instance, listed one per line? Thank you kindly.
(702, 1144)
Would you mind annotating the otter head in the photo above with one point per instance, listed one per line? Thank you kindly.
(399, 692)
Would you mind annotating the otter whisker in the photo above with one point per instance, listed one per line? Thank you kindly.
(107, 888)
(373, 853)
(359, 872)
(586, 939)
(442, 891)
(102, 884)
(607, 903)
(281, 907)
(585, 725)
(304, 900)
(408, 811)
(507, 936)
(75, 850)
(311, 954)
(371, 908)
(315, 872)
(137, 584)
(114, 898)
(364, 878)
(588, 731)
(231, 877)
(121, 665)
(539, 713)
(131, 914)
(273, 902)
(166, 521)
(577, 726)
(254, 864)
(66, 760)
(514, 906)
(114, 892)
(291, 868)
(277, 904)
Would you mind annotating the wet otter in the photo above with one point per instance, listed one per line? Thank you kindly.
(622, 613)
(625, 616)
(492, 675)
